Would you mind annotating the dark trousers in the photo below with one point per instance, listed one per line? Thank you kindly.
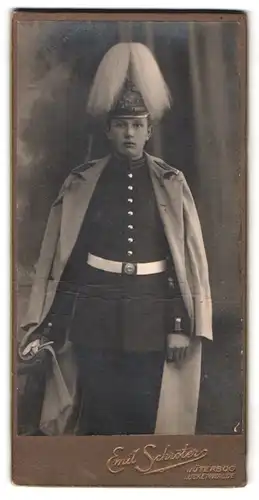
(120, 391)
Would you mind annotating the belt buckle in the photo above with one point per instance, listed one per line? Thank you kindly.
(129, 268)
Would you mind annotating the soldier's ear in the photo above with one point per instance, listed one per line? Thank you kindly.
(149, 131)
(107, 128)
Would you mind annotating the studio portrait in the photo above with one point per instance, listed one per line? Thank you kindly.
(127, 228)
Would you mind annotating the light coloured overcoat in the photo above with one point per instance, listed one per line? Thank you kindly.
(180, 382)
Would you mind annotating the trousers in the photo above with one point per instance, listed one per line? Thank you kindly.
(119, 391)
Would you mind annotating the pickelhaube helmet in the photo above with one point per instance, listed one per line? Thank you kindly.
(128, 83)
(130, 103)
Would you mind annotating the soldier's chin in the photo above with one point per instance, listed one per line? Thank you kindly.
(130, 151)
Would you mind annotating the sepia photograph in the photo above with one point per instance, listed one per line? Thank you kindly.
(129, 271)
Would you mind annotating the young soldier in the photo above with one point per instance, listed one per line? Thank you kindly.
(123, 229)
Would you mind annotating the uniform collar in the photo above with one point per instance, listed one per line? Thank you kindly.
(158, 170)
(127, 163)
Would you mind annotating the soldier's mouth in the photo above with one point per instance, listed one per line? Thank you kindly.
(129, 144)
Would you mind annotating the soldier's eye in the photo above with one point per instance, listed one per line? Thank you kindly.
(119, 124)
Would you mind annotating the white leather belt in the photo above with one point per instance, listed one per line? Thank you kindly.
(114, 266)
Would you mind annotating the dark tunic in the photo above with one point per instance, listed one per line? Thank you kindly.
(120, 224)
(117, 323)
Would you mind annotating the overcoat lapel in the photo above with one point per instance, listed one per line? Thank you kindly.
(75, 204)
(61, 233)
(169, 199)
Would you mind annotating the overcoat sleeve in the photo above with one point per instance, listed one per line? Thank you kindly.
(43, 266)
(196, 266)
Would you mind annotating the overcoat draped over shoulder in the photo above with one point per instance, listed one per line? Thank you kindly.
(180, 383)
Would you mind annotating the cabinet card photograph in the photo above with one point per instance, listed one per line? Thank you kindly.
(129, 268)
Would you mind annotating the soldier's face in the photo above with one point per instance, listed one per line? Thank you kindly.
(128, 136)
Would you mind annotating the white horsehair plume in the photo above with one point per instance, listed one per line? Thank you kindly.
(144, 73)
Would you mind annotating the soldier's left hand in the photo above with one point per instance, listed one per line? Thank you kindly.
(177, 347)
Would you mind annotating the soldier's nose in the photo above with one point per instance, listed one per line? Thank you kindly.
(129, 132)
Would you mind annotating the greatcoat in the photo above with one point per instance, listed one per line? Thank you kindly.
(179, 393)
